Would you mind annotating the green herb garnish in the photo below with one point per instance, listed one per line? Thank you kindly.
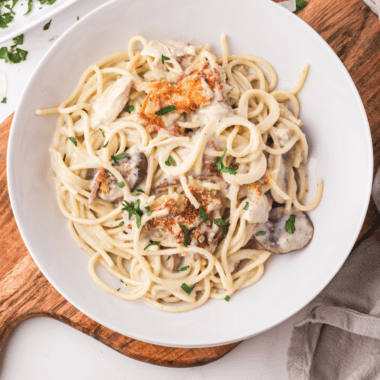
(118, 157)
(73, 140)
(300, 4)
(168, 258)
(118, 289)
(246, 207)
(106, 144)
(10, 55)
(203, 214)
(121, 224)
(133, 210)
(165, 110)
(4, 100)
(121, 280)
(187, 288)
(261, 233)
(169, 161)
(163, 59)
(77, 18)
(227, 298)
(47, 26)
(289, 225)
(223, 226)
(130, 109)
(148, 211)
(121, 184)
(101, 130)
(152, 243)
(137, 191)
(184, 268)
(225, 169)
(187, 233)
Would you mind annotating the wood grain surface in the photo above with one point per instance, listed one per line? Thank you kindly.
(353, 32)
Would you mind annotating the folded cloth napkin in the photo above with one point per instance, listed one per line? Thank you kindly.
(374, 5)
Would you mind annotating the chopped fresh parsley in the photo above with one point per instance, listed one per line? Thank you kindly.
(300, 4)
(187, 233)
(77, 18)
(73, 140)
(184, 268)
(289, 225)
(121, 224)
(169, 161)
(148, 211)
(101, 130)
(118, 289)
(187, 288)
(165, 110)
(246, 207)
(163, 59)
(12, 56)
(47, 26)
(260, 233)
(227, 298)
(118, 157)
(121, 184)
(105, 145)
(223, 226)
(225, 169)
(203, 214)
(130, 109)
(152, 243)
(121, 280)
(133, 210)
(4, 100)
(168, 258)
(137, 191)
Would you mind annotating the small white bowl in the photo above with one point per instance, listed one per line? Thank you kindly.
(340, 153)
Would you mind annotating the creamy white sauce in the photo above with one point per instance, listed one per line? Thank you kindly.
(108, 105)
(258, 209)
(215, 112)
(283, 134)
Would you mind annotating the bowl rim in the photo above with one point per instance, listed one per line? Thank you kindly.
(366, 195)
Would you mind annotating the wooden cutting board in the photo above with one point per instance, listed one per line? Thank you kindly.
(352, 30)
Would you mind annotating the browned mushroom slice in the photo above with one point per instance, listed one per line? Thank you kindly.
(133, 168)
(172, 262)
(277, 239)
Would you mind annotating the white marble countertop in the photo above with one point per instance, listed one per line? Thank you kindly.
(47, 349)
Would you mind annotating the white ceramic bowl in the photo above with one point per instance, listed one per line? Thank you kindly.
(340, 153)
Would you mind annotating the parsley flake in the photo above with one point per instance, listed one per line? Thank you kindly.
(289, 225)
(118, 157)
(187, 288)
(4, 100)
(184, 268)
(163, 59)
(261, 233)
(73, 140)
(121, 184)
(10, 55)
(187, 233)
(101, 130)
(225, 169)
(223, 226)
(152, 243)
(165, 110)
(137, 191)
(133, 210)
(203, 214)
(121, 224)
(105, 145)
(130, 109)
(47, 26)
(118, 289)
(168, 258)
(148, 211)
(77, 18)
(227, 298)
(169, 161)
(121, 280)
(246, 207)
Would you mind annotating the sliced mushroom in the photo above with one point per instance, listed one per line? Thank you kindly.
(133, 168)
(172, 262)
(277, 239)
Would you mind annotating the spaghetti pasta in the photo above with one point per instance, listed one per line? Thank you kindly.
(167, 161)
